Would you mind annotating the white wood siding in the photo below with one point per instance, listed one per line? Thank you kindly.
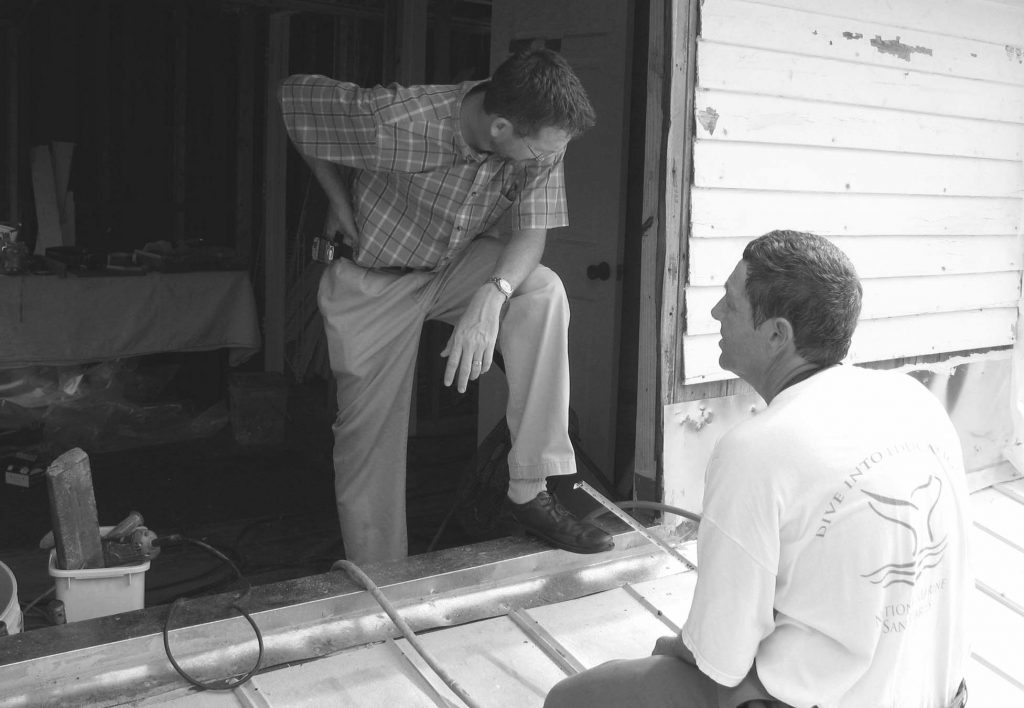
(896, 130)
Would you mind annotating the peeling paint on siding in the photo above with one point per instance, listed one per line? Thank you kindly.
(1015, 53)
(897, 48)
(853, 35)
(708, 118)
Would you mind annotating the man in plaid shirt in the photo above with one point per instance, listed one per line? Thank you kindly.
(431, 171)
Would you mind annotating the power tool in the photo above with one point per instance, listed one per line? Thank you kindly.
(128, 543)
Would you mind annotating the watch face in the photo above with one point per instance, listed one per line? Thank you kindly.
(503, 285)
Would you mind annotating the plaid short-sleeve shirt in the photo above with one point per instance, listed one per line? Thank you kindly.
(420, 192)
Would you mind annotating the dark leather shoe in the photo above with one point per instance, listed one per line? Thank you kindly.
(546, 519)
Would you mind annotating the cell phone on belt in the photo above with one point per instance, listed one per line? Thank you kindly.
(323, 248)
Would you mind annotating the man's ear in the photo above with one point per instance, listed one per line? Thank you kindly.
(781, 333)
(501, 126)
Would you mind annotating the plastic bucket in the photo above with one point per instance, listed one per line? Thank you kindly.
(10, 610)
(97, 592)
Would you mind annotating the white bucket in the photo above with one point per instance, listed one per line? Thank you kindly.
(10, 610)
(97, 592)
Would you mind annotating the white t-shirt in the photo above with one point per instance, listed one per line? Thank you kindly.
(833, 547)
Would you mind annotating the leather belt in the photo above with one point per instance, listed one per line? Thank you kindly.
(343, 250)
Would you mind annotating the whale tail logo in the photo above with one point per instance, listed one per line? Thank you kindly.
(926, 551)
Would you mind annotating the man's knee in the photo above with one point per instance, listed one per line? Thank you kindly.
(568, 692)
(545, 281)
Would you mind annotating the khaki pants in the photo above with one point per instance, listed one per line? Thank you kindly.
(373, 321)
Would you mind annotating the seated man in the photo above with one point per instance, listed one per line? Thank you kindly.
(832, 549)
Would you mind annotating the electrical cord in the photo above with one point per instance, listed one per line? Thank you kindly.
(644, 505)
(42, 595)
(225, 684)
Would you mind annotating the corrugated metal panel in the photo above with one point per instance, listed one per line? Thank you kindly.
(896, 129)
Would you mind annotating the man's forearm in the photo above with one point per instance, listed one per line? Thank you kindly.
(330, 177)
(521, 256)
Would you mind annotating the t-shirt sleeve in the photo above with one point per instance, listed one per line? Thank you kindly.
(330, 120)
(738, 560)
(732, 607)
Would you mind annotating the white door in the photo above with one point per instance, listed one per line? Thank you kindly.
(593, 36)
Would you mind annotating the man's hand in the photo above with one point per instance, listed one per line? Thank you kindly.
(470, 349)
(340, 219)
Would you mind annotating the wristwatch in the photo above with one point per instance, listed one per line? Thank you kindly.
(503, 286)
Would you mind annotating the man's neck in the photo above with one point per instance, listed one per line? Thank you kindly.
(474, 122)
(785, 376)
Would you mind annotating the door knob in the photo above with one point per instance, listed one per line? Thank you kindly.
(599, 271)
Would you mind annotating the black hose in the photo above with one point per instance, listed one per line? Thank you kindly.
(225, 684)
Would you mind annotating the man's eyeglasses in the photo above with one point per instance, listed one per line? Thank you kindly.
(538, 156)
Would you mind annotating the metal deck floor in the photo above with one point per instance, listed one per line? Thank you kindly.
(514, 652)
(500, 663)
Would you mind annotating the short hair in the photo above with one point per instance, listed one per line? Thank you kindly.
(809, 281)
(535, 89)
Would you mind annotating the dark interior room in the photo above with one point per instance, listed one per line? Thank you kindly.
(141, 141)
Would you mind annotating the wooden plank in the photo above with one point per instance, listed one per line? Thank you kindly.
(62, 153)
(683, 21)
(371, 676)
(722, 115)
(76, 530)
(996, 474)
(488, 658)
(275, 145)
(958, 18)
(988, 687)
(412, 43)
(735, 213)
(763, 72)
(730, 165)
(179, 120)
(44, 188)
(598, 628)
(890, 297)
(441, 44)
(998, 514)
(672, 595)
(11, 99)
(995, 635)
(648, 400)
(998, 564)
(245, 65)
(1014, 490)
(877, 257)
(99, 54)
(866, 41)
(880, 340)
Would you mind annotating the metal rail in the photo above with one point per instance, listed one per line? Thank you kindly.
(636, 525)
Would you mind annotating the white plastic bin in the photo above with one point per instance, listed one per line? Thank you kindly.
(10, 610)
(96, 592)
